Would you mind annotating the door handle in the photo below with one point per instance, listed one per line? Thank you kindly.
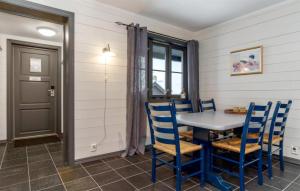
(52, 92)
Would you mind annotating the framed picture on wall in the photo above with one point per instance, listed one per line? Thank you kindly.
(247, 61)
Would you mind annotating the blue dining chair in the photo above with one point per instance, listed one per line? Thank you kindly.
(254, 124)
(276, 134)
(207, 105)
(165, 139)
(184, 106)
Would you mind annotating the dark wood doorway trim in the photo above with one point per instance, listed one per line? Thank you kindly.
(41, 12)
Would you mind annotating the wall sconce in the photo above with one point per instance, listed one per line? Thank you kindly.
(106, 51)
(106, 54)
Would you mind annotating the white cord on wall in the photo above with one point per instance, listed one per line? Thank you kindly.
(105, 104)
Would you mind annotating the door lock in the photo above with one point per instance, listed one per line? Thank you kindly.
(52, 91)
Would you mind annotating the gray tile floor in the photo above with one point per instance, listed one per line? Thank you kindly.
(40, 167)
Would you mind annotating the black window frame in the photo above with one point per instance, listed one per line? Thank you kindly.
(169, 44)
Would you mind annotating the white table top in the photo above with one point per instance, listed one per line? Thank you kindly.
(211, 120)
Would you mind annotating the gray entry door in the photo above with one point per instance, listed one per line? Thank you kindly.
(34, 91)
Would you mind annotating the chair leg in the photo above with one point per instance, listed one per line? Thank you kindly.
(178, 179)
(154, 165)
(210, 154)
(281, 156)
(174, 163)
(202, 168)
(242, 179)
(269, 159)
(178, 173)
(260, 165)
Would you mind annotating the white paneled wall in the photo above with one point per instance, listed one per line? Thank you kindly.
(277, 29)
(94, 28)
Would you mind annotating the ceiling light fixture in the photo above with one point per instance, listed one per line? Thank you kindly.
(46, 31)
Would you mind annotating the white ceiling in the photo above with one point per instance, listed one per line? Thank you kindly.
(193, 15)
(27, 27)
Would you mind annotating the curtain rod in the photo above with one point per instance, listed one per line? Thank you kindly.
(152, 32)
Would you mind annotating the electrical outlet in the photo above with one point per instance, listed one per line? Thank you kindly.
(93, 147)
(295, 150)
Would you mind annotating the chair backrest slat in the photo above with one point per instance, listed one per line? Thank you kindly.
(257, 119)
(163, 124)
(162, 119)
(254, 125)
(207, 105)
(165, 141)
(183, 106)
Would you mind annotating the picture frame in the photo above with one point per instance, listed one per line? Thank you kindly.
(247, 61)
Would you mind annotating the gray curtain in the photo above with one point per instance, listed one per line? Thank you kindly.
(193, 72)
(137, 50)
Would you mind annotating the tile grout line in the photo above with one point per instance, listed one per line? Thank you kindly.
(49, 187)
(156, 183)
(291, 182)
(122, 176)
(2, 187)
(144, 171)
(33, 180)
(90, 177)
(112, 182)
(238, 187)
(101, 172)
(298, 184)
(92, 189)
(285, 169)
(258, 185)
(205, 188)
(136, 165)
(282, 178)
(161, 181)
(272, 186)
(29, 183)
(111, 169)
(118, 179)
(55, 167)
(76, 179)
(2, 158)
(43, 177)
(118, 167)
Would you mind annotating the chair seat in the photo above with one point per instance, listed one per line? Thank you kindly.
(275, 138)
(234, 145)
(187, 134)
(185, 147)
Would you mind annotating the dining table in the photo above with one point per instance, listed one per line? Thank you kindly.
(203, 123)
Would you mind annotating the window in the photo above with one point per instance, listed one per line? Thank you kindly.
(167, 70)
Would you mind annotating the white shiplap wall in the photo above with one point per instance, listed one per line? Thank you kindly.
(277, 28)
(94, 28)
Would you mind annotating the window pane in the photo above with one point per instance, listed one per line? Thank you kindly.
(177, 83)
(158, 83)
(159, 58)
(177, 60)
